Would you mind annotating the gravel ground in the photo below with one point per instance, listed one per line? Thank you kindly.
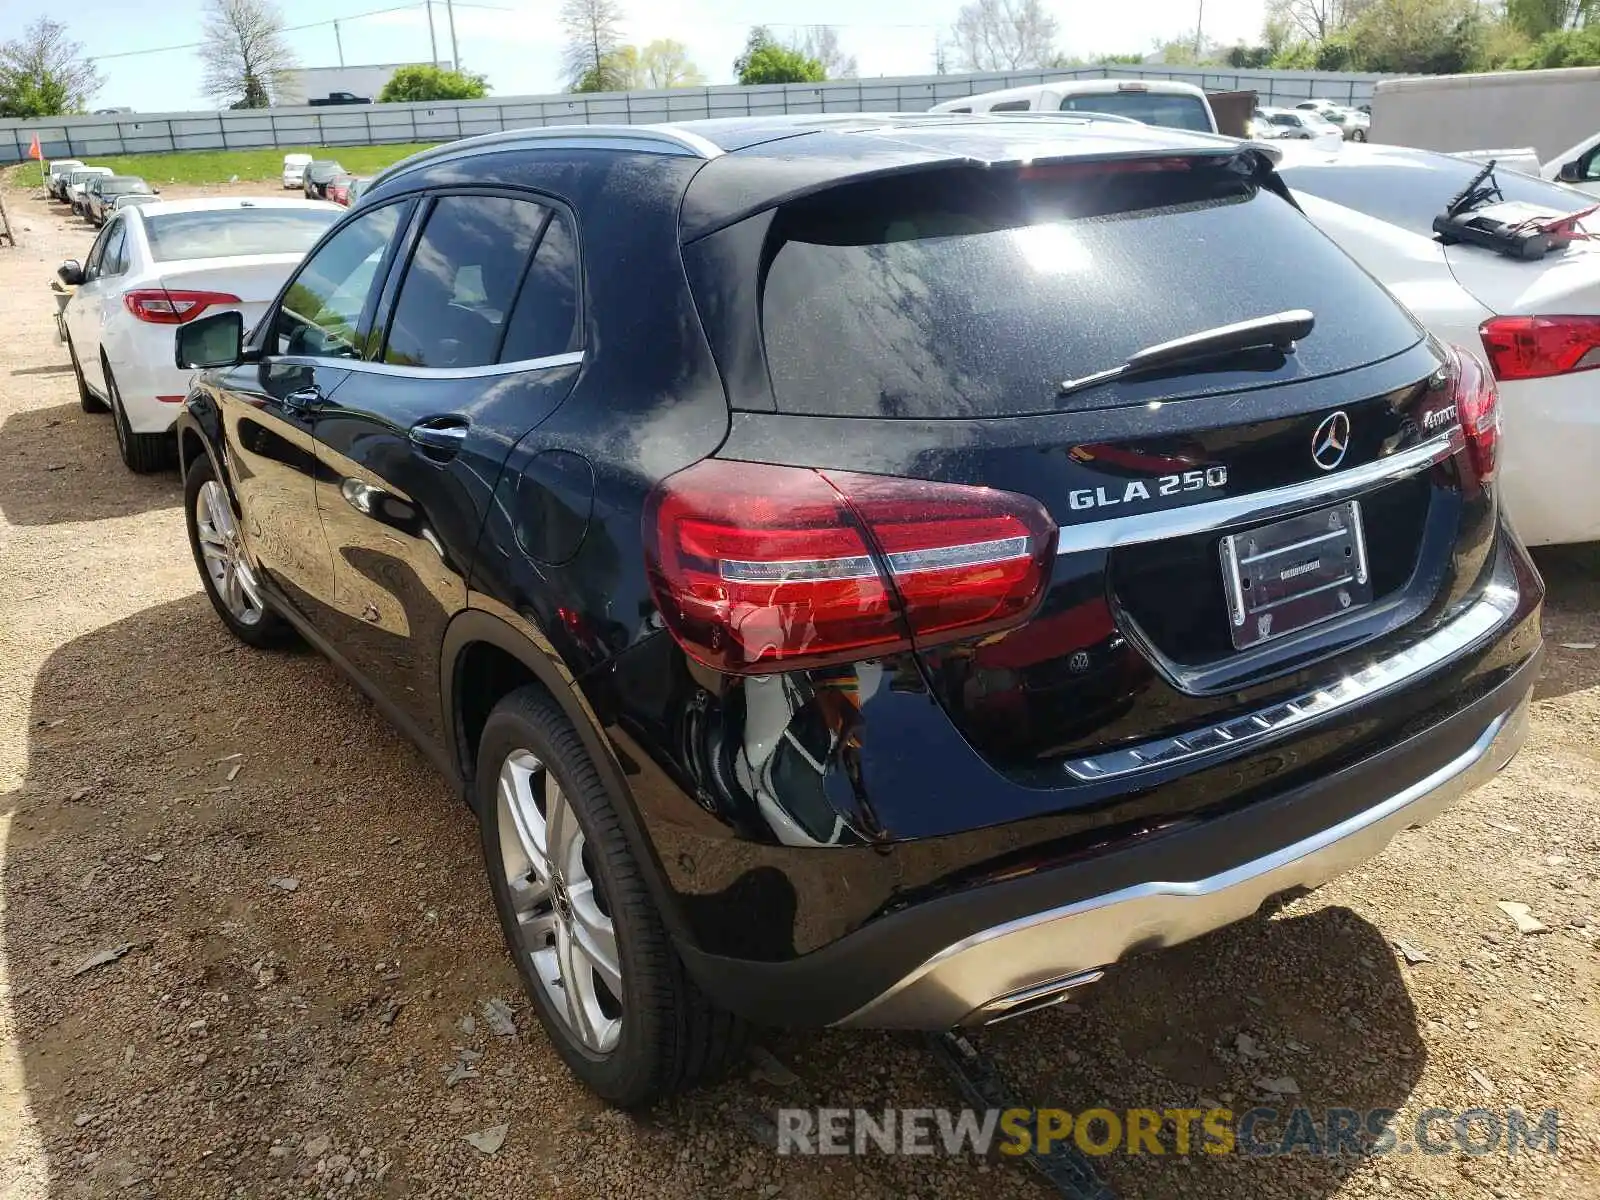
(303, 924)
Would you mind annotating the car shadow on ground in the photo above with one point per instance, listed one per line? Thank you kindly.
(241, 915)
(1571, 618)
(61, 465)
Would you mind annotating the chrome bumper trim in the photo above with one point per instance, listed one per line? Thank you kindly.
(955, 985)
(1485, 615)
(1134, 528)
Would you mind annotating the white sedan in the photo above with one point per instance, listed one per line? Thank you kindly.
(1537, 324)
(156, 266)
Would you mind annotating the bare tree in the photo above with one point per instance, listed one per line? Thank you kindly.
(1316, 20)
(821, 42)
(43, 73)
(1004, 35)
(665, 63)
(246, 58)
(594, 35)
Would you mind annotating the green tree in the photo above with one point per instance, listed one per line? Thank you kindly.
(1539, 17)
(765, 60)
(1112, 60)
(1417, 37)
(43, 73)
(1563, 48)
(665, 63)
(433, 83)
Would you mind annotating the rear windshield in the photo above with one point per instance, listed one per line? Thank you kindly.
(1153, 108)
(971, 293)
(1411, 191)
(229, 232)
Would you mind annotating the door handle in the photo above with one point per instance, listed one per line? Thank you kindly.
(440, 434)
(304, 398)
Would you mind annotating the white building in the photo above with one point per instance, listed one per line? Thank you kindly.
(312, 83)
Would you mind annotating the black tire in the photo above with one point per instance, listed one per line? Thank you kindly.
(672, 1037)
(142, 453)
(87, 400)
(269, 629)
(1360, 135)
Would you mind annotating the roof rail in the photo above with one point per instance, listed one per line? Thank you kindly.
(666, 139)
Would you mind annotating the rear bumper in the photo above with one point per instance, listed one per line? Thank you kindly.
(964, 956)
(999, 969)
(1547, 483)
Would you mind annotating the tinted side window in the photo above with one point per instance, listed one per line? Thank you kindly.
(321, 312)
(1011, 106)
(544, 319)
(1412, 190)
(462, 281)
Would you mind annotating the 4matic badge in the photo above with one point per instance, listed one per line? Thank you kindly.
(1135, 490)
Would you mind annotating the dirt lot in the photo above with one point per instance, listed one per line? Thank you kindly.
(262, 1040)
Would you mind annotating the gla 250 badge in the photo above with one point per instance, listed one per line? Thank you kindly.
(1146, 489)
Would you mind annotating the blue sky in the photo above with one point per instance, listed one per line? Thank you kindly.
(517, 43)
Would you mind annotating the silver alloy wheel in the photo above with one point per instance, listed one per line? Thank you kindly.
(565, 930)
(224, 554)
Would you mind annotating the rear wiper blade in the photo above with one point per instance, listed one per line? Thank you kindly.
(1279, 331)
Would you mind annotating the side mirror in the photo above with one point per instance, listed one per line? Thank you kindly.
(70, 272)
(1569, 173)
(214, 341)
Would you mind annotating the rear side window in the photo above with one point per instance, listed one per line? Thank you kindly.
(462, 281)
(544, 318)
(1411, 191)
(1153, 108)
(230, 232)
(1011, 106)
(972, 294)
(116, 254)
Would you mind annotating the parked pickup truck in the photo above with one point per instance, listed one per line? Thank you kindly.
(339, 98)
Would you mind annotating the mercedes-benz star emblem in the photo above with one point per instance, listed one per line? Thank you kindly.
(1331, 440)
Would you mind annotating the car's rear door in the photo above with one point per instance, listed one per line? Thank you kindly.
(480, 346)
(97, 300)
(305, 348)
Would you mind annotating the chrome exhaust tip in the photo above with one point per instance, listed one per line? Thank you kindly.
(1033, 998)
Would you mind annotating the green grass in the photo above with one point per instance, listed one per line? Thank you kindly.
(219, 166)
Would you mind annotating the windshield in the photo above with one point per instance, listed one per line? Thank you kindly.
(113, 187)
(1411, 190)
(1153, 108)
(974, 294)
(230, 232)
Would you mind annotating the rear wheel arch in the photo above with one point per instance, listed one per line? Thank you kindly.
(483, 660)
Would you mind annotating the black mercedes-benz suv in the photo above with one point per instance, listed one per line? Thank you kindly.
(869, 571)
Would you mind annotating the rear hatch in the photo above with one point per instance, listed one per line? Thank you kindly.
(1217, 531)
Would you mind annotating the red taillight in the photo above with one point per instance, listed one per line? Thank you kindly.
(1537, 347)
(765, 568)
(159, 306)
(1478, 411)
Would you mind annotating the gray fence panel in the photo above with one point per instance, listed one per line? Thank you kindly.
(302, 126)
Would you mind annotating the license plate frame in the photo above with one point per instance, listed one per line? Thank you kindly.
(1294, 573)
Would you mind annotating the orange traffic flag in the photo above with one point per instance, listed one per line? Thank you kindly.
(34, 150)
